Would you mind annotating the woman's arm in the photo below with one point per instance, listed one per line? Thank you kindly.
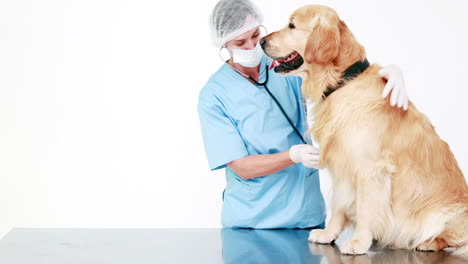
(255, 166)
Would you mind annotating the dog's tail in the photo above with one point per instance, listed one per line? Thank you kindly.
(460, 235)
(461, 252)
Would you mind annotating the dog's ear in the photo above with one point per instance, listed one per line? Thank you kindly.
(323, 43)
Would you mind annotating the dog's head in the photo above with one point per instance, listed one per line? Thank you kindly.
(314, 35)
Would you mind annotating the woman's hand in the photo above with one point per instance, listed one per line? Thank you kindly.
(395, 84)
(306, 154)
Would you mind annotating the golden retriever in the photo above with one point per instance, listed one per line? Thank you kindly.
(394, 179)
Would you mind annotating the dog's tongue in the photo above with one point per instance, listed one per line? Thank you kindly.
(275, 63)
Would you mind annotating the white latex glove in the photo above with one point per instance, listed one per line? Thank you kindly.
(396, 84)
(306, 154)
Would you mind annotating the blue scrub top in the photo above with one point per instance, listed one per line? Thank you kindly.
(238, 119)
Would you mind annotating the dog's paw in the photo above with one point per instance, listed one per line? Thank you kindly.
(354, 247)
(321, 236)
(435, 245)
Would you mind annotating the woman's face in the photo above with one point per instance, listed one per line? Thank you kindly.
(246, 41)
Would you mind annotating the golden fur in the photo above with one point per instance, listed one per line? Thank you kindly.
(394, 179)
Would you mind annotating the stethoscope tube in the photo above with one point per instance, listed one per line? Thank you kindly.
(264, 84)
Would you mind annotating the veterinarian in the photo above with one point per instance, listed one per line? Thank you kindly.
(254, 122)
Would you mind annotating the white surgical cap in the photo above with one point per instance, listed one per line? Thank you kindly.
(230, 18)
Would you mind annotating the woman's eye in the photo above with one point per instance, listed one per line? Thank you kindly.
(291, 25)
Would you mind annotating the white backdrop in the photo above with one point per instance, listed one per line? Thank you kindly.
(98, 102)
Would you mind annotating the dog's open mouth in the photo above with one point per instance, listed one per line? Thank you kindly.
(288, 63)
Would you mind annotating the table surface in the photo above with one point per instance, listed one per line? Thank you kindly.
(203, 245)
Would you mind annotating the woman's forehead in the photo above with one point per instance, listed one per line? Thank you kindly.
(247, 34)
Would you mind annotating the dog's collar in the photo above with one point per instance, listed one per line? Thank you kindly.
(352, 72)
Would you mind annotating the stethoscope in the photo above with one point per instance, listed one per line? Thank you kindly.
(264, 84)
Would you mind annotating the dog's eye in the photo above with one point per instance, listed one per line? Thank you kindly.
(291, 25)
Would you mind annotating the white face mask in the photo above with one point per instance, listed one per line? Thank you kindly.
(248, 58)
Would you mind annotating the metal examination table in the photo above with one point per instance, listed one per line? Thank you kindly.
(144, 246)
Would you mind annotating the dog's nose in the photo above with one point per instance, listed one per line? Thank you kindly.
(263, 42)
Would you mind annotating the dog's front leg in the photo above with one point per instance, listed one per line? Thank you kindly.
(372, 199)
(336, 225)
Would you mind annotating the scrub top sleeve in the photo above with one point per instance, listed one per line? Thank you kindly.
(221, 139)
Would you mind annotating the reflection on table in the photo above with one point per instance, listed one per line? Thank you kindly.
(190, 245)
(292, 246)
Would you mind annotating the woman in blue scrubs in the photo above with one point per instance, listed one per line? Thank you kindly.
(272, 179)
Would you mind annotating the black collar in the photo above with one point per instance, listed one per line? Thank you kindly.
(352, 72)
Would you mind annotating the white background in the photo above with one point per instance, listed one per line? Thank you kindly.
(98, 102)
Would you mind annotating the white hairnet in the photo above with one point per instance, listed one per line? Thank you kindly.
(230, 18)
